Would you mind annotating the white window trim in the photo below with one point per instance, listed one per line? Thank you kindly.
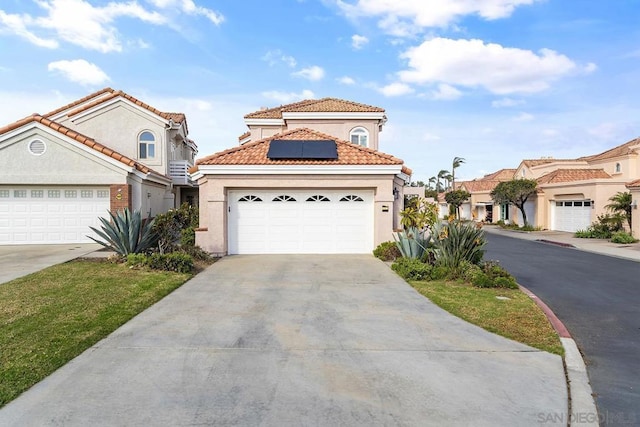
(155, 146)
(360, 131)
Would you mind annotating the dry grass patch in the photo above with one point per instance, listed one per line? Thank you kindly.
(50, 317)
(517, 317)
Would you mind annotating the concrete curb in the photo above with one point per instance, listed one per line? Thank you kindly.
(582, 407)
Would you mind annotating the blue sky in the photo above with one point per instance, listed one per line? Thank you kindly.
(493, 81)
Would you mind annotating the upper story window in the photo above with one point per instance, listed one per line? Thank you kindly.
(146, 145)
(618, 168)
(359, 136)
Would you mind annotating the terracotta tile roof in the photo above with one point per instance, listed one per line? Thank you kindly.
(621, 150)
(570, 175)
(480, 185)
(634, 184)
(89, 142)
(77, 102)
(107, 94)
(501, 175)
(324, 105)
(244, 135)
(537, 162)
(255, 153)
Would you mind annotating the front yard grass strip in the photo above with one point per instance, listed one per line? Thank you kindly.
(517, 318)
(50, 317)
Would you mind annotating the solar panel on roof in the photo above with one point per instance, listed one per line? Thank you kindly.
(303, 149)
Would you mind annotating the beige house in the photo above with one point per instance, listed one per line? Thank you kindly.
(302, 190)
(480, 206)
(358, 123)
(64, 170)
(572, 193)
(634, 188)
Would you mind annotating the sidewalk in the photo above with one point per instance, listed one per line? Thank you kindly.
(599, 246)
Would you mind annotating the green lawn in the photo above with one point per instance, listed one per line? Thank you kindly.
(517, 318)
(50, 317)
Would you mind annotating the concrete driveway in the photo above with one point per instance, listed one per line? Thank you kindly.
(20, 260)
(299, 340)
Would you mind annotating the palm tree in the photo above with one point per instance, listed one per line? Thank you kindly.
(441, 175)
(621, 204)
(432, 180)
(448, 178)
(457, 161)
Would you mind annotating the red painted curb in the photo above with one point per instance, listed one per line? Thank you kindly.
(562, 331)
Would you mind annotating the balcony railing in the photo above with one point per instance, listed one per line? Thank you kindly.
(179, 172)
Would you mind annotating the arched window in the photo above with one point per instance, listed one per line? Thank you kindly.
(618, 168)
(146, 145)
(359, 136)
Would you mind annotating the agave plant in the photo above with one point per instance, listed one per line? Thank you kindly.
(411, 242)
(456, 242)
(126, 233)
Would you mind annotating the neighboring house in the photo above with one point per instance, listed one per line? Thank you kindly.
(480, 206)
(634, 188)
(64, 170)
(301, 190)
(572, 193)
(358, 123)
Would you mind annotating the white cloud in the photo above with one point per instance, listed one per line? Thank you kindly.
(358, 41)
(92, 26)
(396, 89)
(446, 92)
(17, 24)
(312, 73)
(346, 80)
(506, 103)
(190, 8)
(272, 57)
(472, 63)
(288, 97)
(406, 17)
(80, 71)
(523, 117)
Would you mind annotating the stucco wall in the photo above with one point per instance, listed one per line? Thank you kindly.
(635, 212)
(117, 126)
(338, 128)
(61, 163)
(599, 192)
(213, 201)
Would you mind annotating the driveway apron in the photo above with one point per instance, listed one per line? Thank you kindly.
(335, 340)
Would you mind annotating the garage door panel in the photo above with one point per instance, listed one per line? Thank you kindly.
(39, 215)
(571, 216)
(296, 221)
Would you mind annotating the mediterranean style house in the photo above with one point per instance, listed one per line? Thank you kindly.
(306, 178)
(571, 194)
(64, 170)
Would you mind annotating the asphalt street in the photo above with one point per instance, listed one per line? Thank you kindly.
(598, 299)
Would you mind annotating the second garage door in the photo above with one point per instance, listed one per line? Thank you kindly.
(50, 215)
(295, 221)
(572, 215)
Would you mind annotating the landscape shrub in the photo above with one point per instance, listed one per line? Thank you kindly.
(440, 272)
(492, 275)
(175, 227)
(175, 261)
(603, 228)
(137, 260)
(622, 237)
(387, 251)
(411, 269)
(456, 242)
(125, 232)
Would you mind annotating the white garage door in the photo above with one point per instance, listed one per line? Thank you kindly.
(303, 222)
(572, 215)
(49, 215)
